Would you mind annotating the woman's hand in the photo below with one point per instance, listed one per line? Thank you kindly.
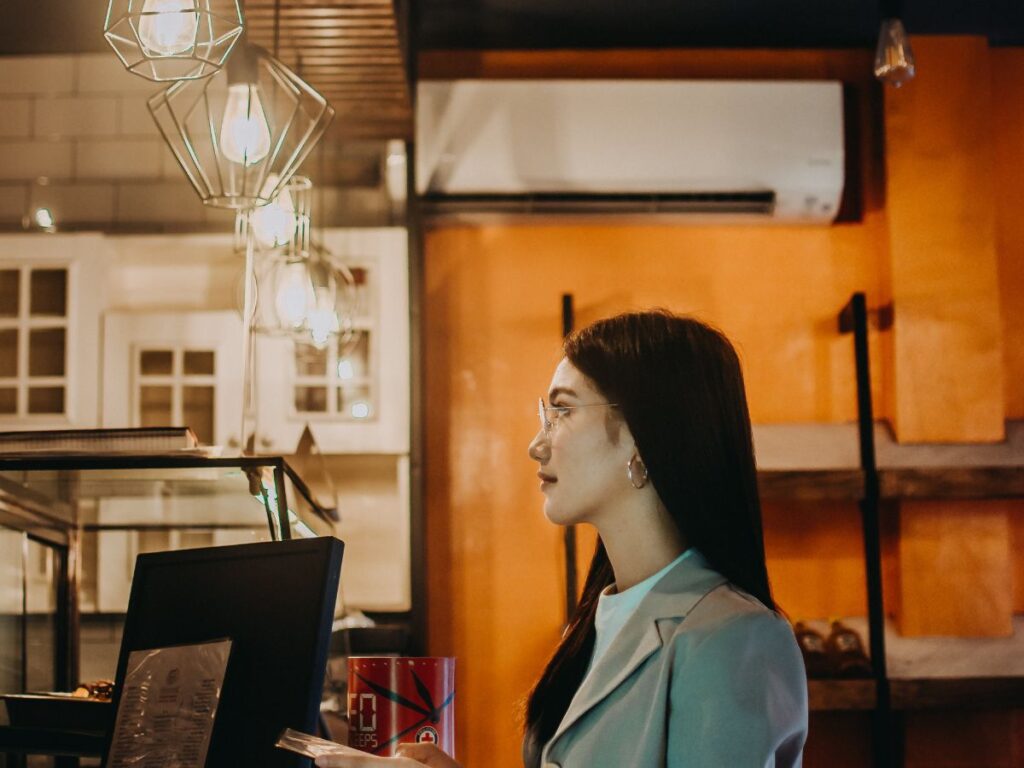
(409, 756)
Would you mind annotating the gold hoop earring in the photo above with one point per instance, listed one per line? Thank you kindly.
(629, 473)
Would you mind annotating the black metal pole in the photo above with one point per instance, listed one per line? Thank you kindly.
(569, 535)
(854, 318)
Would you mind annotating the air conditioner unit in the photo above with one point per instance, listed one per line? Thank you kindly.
(745, 151)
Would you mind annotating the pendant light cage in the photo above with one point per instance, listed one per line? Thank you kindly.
(164, 40)
(241, 134)
(283, 223)
(313, 298)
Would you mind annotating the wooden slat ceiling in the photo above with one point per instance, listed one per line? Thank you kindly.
(350, 51)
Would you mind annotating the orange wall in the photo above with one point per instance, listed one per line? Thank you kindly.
(492, 318)
(947, 338)
(492, 327)
(1007, 72)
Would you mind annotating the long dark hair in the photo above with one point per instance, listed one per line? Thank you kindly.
(680, 390)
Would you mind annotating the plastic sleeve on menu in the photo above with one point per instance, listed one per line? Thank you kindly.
(168, 705)
(311, 746)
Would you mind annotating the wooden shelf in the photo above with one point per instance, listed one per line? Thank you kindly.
(820, 462)
(952, 482)
(958, 693)
(840, 695)
(810, 484)
(925, 673)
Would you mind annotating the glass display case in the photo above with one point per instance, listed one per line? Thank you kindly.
(71, 526)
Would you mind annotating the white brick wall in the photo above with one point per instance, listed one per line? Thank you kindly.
(104, 73)
(80, 124)
(30, 159)
(37, 74)
(66, 116)
(82, 203)
(149, 203)
(13, 200)
(76, 137)
(119, 158)
(15, 118)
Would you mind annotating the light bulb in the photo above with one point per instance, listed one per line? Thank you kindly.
(295, 297)
(323, 324)
(44, 218)
(273, 224)
(168, 27)
(894, 59)
(244, 133)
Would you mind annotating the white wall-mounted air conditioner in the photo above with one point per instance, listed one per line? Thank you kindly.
(745, 151)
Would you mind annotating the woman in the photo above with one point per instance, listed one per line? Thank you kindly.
(676, 656)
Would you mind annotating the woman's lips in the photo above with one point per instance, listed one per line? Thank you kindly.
(546, 478)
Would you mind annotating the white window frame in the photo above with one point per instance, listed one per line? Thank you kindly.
(126, 333)
(383, 251)
(84, 256)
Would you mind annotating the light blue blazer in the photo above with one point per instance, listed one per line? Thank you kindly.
(702, 675)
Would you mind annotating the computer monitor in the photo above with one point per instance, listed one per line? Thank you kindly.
(275, 601)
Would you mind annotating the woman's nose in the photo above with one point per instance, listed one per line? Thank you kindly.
(540, 449)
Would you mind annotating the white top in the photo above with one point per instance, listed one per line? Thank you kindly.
(614, 609)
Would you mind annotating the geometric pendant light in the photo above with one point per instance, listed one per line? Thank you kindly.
(241, 134)
(301, 290)
(165, 40)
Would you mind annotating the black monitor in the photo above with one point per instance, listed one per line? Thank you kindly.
(275, 601)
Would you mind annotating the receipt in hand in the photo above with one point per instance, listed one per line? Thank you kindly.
(311, 746)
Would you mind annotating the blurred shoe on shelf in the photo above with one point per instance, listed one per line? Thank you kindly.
(846, 653)
(814, 650)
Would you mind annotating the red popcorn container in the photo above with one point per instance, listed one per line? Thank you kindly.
(396, 700)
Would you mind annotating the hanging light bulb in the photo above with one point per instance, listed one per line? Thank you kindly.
(165, 40)
(294, 294)
(244, 132)
(284, 221)
(322, 321)
(894, 59)
(168, 27)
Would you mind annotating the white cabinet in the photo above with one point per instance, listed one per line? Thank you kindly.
(354, 395)
(51, 296)
(174, 369)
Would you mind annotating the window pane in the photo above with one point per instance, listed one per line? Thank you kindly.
(46, 400)
(46, 352)
(154, 362)
(361, 290)
(8, 400)
(9, 352)
(354, 357)
(154, 541)
(311, 399)
(194, 539)
(41, 571)
(88, 573)
(197, 362)
(9, 292)
(197, 408)
(11, 597)
(310, 361)
(49, 289)
(355, 402)
(155, 407)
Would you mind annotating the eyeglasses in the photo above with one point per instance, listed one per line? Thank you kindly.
(550, 414)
